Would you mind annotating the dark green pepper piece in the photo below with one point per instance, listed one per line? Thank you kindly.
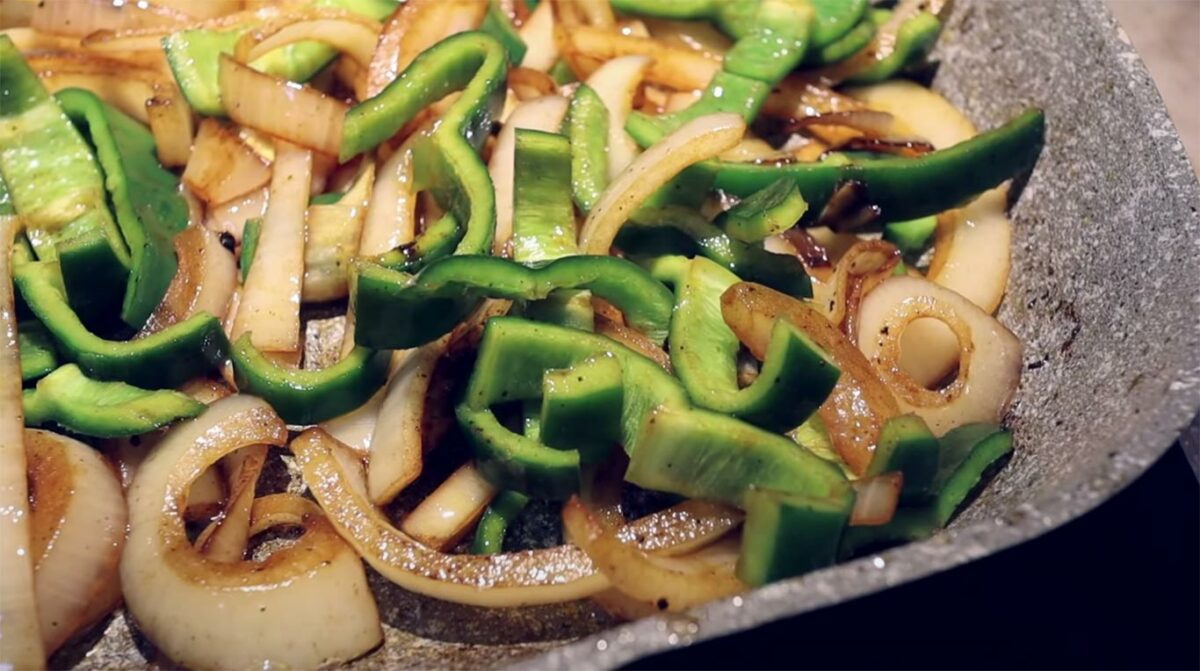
(164, 359)
(767, 212)
(907, 445)
(103, 409)
(489, 534)
(145, 197)
(788, 534)
(497, 24)
(911, 237)
(587, 127)
(396, 310)
(250, 235)
(513, 461)
(437, 241)
(914, 39)
(37, 350)
(562, 74)
(94, 277)
(796, 376)
(310, 396)
(581, 408)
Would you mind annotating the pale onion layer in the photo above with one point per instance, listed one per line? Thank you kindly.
(301, 115)
(397, 445)
(989, 360)
(223, 168)
(78, 530)
(538, 34)
(451, 510)
(204, 281)
(306, 605)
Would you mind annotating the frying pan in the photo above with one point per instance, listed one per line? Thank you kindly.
(1105, 294)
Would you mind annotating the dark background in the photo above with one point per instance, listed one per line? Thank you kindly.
(1116, 588)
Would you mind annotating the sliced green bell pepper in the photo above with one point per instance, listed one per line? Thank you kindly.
(796, 375)
(150, 211)
(543, 217)
(304, 397)
(766, 212)
(437, 241)
(788, 534)
(914, 39)
(911, 237)
(164, 359)
(396, 310)
(581, 408)
(250, 235)
(513, 461)
(489, 534)
(497, 24)
(37, 350)
(587, 127)
(854, 41)
(908, 446)
(103, 409)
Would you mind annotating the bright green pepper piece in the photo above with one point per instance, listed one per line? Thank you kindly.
(776, 45)
(587, 127)
(145, 197)
(834, 19)
(543, 217)
(581, 408)
(51, 175)
(750, 262)
(396, 310)
(167, 358)
(845, 46)
(310, 396)
(250, 235)
(513, 461)
(489, 534)
(103, 409)
(787, 534)
(768, 212)
(497, 24)
(6, 206)
(562, 74)
(908, 446)
(37, 350)
(437, 241)
(914, 39)
(796, 375)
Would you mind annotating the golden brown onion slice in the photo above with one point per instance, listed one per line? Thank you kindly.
(204, 282)
(78, 530)
(451, 510)
(304, 606)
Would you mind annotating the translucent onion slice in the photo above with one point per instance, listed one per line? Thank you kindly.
(225, 540)
(21, 644)
(544, 114)
(415, 27)
(859, 404)
(299, 114)
(204, 281)
(355, 429)
(541, 51)
(223, 168)
(171, 123)
(446, 515)
(392, 215)
(121, 85)
(354, 35)
(77, 532)
(673, 67)
(269, 307)
(75, 17)
(876, 499)
(681, 529)
(863, 267)
(531, 577)
(306, 605)
(332, 240)
(397, 445)
(673, 584)
(150, 37)
(634, 340)
(699, 36)
(616, 83)
(989, 361)
(697, 140)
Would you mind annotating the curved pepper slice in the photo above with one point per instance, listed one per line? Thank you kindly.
(768, 212)
(310, 396)
(586, 126)
(915, 37)
(513, 461)
(103, 409)
(37, 350)
(581, 408)
(489, 534)
(396, 310)
(475, 64)
(164, 359)
(795, 378)
(145, 197)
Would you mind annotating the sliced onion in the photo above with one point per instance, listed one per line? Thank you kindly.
(392, 215)
(544, 114)
(446, 515)
(150, 37)
(797, 98)
(876, 499)
(415, 27)
(615, 83)
(297, 113)
(21, 644)
(989, 363)
(859, 404)
(597, 13)
(222, 168)
(673, 67)
(355, 429)
(270, 299)
(673, 584)
(353, 34)
(541, 51)
(77, 532)
(333, 234)
(397, 445)
(171, 123)
(529, 84)
(873, 123)
(73, 17)
(634, 340)
(681, 529)
(697, 140)
(863, 267)
(306, 605)
(204, 281)
(699, 36)
(121, 85)
(205, 498)
(225, 540)
(552, 575)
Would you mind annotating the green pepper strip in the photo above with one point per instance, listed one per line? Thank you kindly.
(788, 534)
(752, 263)
(845, 46)
(103, 409)
(310, 396)
(967, 454)
(476, 64)
(914, 39)
(908, 446)
(489, 534)
(767, 212)
(145, 197)
(49, 170)
(796, 376)
(437, 241)
(911, 237)
(250, 235)
(831, 18)
(164, 359)
(497, 24)
(396, 310)
(587, 128)
(581, 408)
(37, 350)
(902, 188)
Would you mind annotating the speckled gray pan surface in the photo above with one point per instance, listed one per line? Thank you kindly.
(1105, 294)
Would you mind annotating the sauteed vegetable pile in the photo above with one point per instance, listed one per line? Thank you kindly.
(444, 260)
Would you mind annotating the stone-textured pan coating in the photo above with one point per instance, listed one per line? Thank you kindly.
(1105, 293)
